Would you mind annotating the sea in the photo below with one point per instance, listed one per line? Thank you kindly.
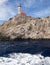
(24, 53)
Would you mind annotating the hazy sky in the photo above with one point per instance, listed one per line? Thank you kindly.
(34, 8)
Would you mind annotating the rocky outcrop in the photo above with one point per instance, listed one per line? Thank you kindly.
(21, 32)
(25, 27)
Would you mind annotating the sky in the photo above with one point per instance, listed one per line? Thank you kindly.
(34, 8)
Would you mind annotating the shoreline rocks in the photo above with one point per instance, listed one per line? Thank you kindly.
(25, 27)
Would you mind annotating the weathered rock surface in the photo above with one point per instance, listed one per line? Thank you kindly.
(25, 27)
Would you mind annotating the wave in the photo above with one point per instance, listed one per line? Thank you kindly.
(24, 59)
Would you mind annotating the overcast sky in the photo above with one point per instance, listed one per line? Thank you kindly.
(34, 8)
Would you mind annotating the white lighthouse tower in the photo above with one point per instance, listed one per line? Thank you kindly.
(20, 12)
(19, 9)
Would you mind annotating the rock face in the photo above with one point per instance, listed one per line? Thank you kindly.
(25, 27)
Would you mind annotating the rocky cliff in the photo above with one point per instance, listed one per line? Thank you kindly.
(25, 27)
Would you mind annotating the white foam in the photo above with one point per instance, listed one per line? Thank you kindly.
(24, 59)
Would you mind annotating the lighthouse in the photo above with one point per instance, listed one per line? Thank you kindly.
(19, 9)
(20, 12)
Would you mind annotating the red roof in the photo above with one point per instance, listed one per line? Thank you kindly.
(24, 14)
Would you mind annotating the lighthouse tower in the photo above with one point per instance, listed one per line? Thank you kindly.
(20, 12)
(19, 9)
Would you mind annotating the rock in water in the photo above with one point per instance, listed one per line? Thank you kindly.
(24, 27)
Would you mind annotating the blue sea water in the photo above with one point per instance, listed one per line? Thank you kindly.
(25, 52)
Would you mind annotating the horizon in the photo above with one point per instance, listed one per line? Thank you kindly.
(34, 8)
